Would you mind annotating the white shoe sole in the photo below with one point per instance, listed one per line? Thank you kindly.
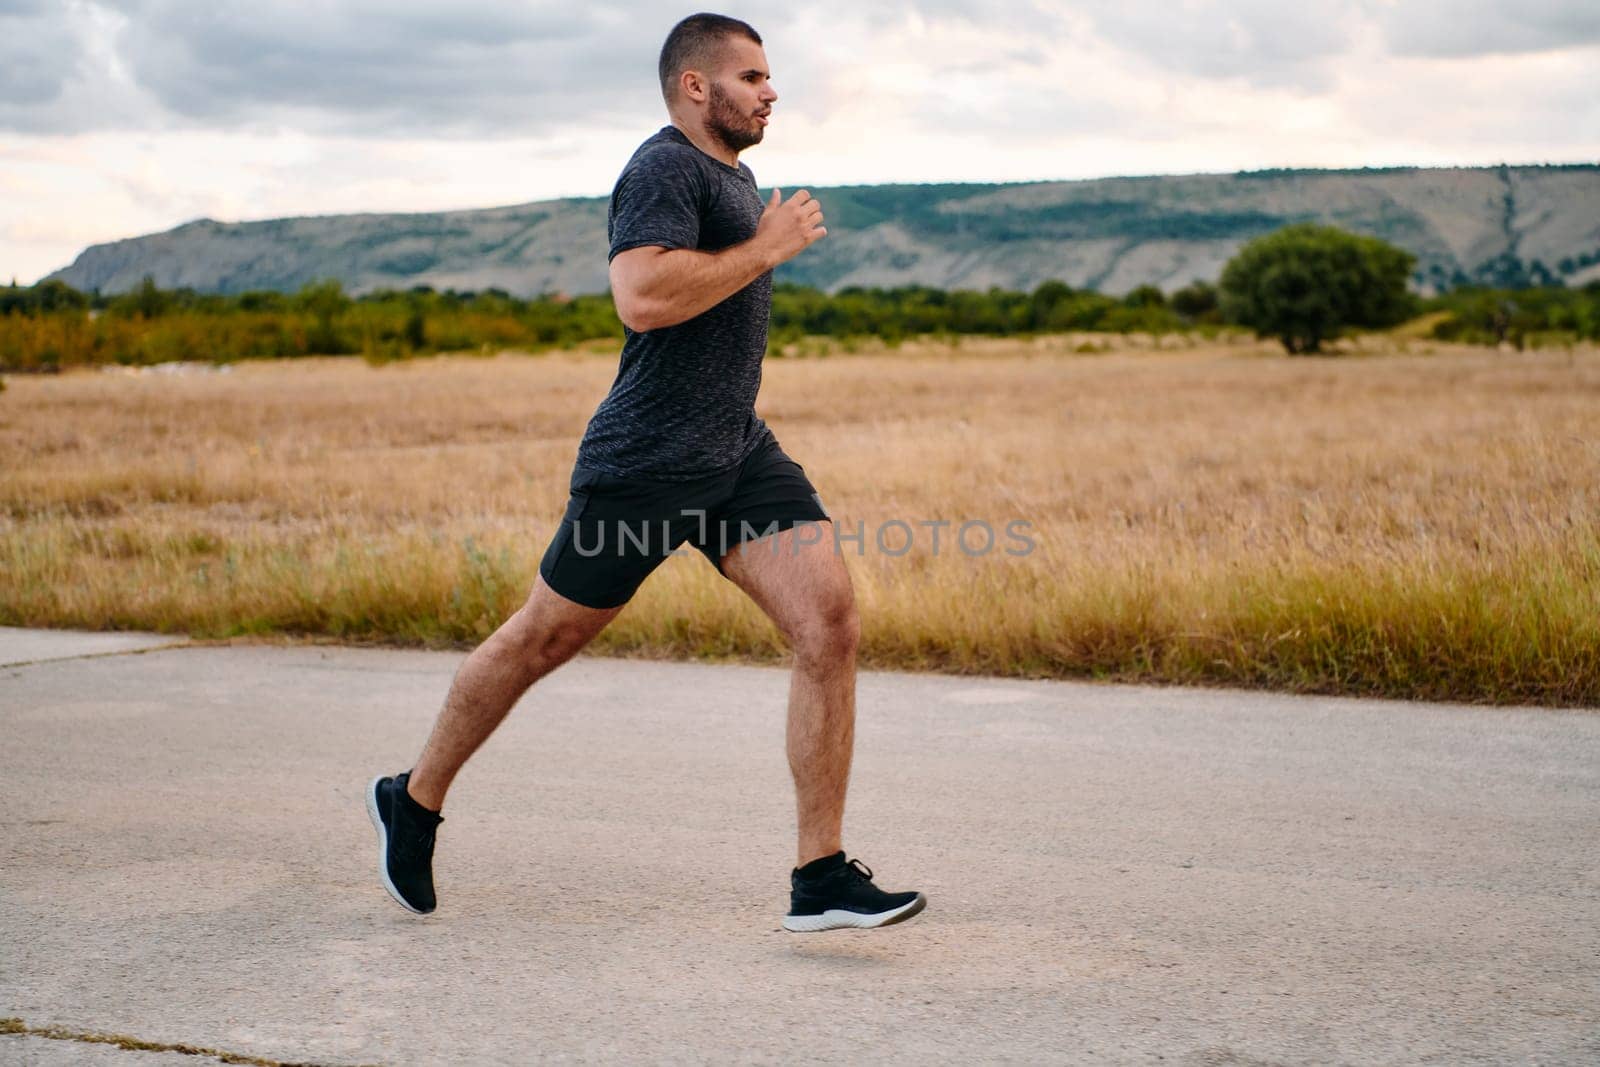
(852, 920)
(383, 846)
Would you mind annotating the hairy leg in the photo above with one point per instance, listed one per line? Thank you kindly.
(805, 589)
(544, 633)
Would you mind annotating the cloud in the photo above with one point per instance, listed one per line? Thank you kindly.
(42, 52)
(1264, 43)
(471, 67)
(1461, 28)
(59, 72)
(1514, 107)
(343, 67)
(510, 68)
(37, 54)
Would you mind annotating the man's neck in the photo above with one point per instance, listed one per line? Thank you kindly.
(702, 139)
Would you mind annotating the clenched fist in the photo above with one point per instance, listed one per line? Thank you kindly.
(788, 227)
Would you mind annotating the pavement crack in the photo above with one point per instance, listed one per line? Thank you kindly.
(16, 1027)
(100, 655)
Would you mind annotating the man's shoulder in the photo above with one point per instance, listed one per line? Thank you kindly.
(666, 148)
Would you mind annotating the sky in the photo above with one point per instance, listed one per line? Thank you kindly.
(126, 117)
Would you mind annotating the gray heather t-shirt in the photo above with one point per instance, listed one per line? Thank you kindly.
(683, 402)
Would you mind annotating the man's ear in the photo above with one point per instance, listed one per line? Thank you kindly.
(692, 85)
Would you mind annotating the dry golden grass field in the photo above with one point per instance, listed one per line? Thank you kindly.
(1417, 524)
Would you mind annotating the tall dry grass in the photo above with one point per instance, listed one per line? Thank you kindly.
(1419, 525)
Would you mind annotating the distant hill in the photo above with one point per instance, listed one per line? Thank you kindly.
(1499, 225)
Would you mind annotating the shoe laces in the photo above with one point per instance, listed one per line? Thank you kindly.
(861, 870)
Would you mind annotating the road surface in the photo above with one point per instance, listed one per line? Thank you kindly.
(1115, 873)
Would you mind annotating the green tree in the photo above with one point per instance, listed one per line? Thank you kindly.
(145, 300)
(1307, 283)
(416, 327)
(43, 298)
(326, 302)
(1145, 296)
(1044, 301)
(1196, 300)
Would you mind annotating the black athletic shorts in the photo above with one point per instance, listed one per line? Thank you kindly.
(617, 530)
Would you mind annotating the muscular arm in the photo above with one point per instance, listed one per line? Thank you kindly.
(656, 287)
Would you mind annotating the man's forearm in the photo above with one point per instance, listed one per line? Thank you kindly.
(677, 284)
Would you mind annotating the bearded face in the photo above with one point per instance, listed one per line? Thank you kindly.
(735, 126)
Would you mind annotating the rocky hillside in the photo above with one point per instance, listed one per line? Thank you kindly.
(1501, 225)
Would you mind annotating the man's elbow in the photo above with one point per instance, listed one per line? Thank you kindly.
(638, 314)
(642, 314)
(634, 274)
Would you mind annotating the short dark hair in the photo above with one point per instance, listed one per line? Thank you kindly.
(694, 42)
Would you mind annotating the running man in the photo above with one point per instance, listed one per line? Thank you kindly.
(675, 453)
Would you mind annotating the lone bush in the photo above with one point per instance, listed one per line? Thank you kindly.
(1307, 283)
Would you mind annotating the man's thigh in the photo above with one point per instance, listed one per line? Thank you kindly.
(616, 531)
(772, 494)
(799, 579)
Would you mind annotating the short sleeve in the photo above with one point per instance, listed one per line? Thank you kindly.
(658, 201)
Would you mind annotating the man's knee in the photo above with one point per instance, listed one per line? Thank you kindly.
(544, 644)
(830, 631)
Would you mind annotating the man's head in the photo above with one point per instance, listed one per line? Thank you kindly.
(714, 73)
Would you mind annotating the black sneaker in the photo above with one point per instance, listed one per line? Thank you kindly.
(841, 896)
(405, 842)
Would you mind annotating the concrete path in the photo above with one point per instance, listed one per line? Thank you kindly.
(19, 647)
(1115, 874)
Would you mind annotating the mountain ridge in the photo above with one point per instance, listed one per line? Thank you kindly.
(1501, 225)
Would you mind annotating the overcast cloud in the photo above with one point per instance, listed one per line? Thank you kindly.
(119, 117)
(1458, 28)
